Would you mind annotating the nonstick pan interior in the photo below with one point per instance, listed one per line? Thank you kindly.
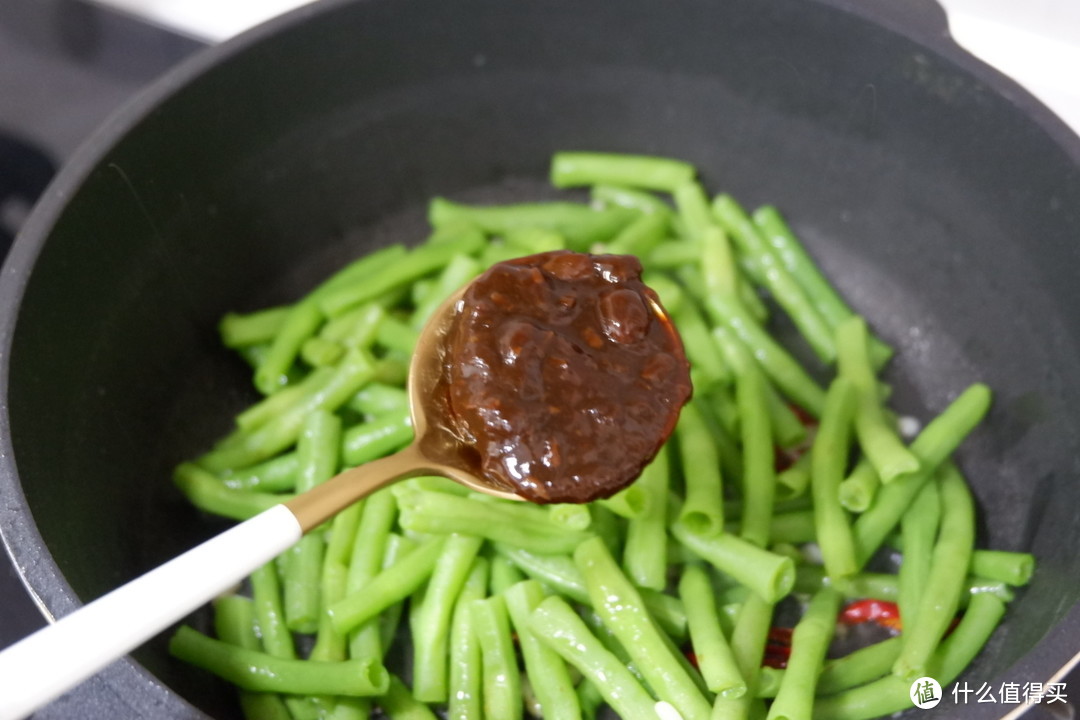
(941, 199)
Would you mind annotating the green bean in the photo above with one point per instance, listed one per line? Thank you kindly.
(255, 328)
(525, 527)
(884, 586)
(748, 645)
(497, 252)
(466, 671)
(556, 571)
(933, 445)
(918, 528)
(329, 643)
(560, 628)
(532, 240)
(792, 481)
(620, 606)
(579, 224)
(390, 586)
(1014, 568)
(795, 527)
(571, 515)
(590, 699)
(701, 349)
(452, 231)
(890, 694)
(260, 672)
(859, 666)
(301, 586)
(788, 429)
(667, 611)
(318, 449)
(857, 491)
(431, 631)
(714, 656)
(208, 493)
(829, 457)
(547, 672)
(718, 266)
(769, 679)
(318, 352)
(630, 502)
(672, 254)
(645, 552)
(373, 439)
(778, 364)
(283, 400)
(574, 169)
(350, 708)
(356, 328)
(774, 276)
(377, 399)
(644, 202)
(759, 459)
(457, 273)
(702, 511)
(275, 475)
(877, 436)
(809, 643)
(360, 270)
(419, 262)
(504, 573)
(945, 583)
(269, 612)
(805, 271)
(394, 334)
(502, 682)
(692, 205)
(769, 575)
(234, 623)
(399, 703)
(356, 370)
(640, 237)
(301, 322)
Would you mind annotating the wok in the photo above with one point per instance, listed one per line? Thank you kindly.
(941, 197)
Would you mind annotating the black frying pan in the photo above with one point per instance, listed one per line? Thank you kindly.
(943, 200)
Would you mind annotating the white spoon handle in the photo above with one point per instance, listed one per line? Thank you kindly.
(58, 657)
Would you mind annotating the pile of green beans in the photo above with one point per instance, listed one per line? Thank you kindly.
(556, 611)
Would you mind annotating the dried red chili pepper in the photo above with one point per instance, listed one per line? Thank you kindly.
(881, 612)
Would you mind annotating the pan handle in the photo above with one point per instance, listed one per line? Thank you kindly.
(59, 656)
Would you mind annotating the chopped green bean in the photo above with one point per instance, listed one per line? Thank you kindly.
(945, 584)
(829, 457)
(559, 627)
(502, 682)
(877, 436)
(702, 511)
(711, 648)
(574, 169)
(260, 672)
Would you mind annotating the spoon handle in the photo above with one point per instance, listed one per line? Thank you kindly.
(59, 656)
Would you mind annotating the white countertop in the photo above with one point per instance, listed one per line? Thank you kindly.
(1036, 42)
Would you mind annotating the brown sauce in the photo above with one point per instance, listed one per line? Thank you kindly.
(562, 376)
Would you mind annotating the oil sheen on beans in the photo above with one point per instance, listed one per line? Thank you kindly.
(564, 375)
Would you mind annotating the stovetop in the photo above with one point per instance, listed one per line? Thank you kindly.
(65, 65)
